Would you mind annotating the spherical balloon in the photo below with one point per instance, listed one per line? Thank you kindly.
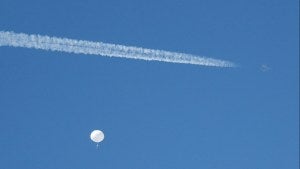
(97, 136)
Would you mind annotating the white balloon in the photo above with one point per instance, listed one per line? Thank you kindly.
(97, 136)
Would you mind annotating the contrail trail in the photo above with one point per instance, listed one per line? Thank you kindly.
(104, 49)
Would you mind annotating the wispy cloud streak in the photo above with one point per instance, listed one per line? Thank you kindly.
(104, 49)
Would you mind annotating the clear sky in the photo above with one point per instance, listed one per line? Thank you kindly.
(154, 115)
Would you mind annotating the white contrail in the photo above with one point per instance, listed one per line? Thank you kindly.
(104, 49)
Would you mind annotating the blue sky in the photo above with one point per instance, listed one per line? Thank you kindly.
(154, 114)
